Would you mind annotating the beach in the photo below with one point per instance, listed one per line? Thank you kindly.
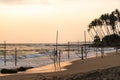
(67, 68)
(60, 40)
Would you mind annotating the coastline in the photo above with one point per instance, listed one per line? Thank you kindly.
(68, 68)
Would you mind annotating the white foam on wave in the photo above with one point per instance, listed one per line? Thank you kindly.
(38, 59)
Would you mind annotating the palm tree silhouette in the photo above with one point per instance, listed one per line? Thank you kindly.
(113, 20)
(107, 28)
(99, 23)
(95, 26)
(91, 34)
(106, 24)
(117, 14)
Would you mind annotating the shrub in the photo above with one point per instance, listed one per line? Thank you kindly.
(6, 71)
(24, 68)
(9, 71)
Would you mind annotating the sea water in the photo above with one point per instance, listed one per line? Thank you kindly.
(35, 55)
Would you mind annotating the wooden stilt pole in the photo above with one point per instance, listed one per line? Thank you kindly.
(55, 59)
(57, 50)
(68, 50)
(56, 55)
(82, 57)
(59, 59)
(102, 50)
(15, 56)
(78, 48)
(5, 53)
(85, 43)
(96, 51)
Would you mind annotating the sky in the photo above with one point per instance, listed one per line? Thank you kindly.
(36, 21)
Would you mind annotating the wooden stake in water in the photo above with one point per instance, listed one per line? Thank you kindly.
(56, 56)
(96, 51)
(59, 60)
(68, 50)
(78, 47)
(85, 43)
(4, 52)
(55, 59)
(82, 57)
(102, 50)
(15, 56)
(57, 41)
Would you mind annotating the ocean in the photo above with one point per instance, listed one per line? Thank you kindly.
(36, 55)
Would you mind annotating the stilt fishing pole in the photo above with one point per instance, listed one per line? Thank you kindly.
(57, 55)
(68, 50)
(5, 53)
(15, 56)
(85, 44)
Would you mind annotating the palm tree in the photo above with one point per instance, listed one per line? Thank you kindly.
(91, 34)
(106, 24)
(113, 20)
(100, 26)
(104, 18)
(91, 27)
(94, 25)
(117, 14)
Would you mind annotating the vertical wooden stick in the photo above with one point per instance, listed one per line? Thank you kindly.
(4, 52)
(68, 50)
(59, 59)
(15, 56)
(57, 49)
(102, 50)
(57, 41)
(55, 59)
(96, 51)
(78, 48)
(57, 56)
(82, 57)
(85, 43)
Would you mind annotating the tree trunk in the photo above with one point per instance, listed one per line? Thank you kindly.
(96, 32)
(91, 35)
(102, 31)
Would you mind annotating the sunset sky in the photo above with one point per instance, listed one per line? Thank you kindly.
(36, 21)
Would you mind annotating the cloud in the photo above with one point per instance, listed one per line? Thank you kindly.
(44, 2)
(36, 1)
(12, 2)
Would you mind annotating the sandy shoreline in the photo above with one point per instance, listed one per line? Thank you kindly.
(68, 68)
